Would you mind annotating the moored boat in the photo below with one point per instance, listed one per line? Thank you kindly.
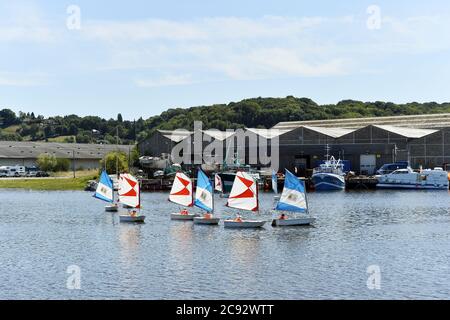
(436, 179)
(329, 175)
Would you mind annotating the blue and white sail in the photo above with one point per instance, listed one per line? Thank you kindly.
(274, 182)
(105, 189)
(293, 197)
(204, 193)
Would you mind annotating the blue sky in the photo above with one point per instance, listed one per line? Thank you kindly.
(140, 58)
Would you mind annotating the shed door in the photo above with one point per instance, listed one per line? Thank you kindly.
(368, 163)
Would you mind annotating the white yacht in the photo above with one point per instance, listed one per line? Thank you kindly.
(408, 179)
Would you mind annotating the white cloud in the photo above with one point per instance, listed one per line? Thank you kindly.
(24, 22)
(167, 80)
(13, 79)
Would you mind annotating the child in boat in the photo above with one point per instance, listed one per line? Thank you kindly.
(238, 219)
(208, 215)
(184, 212)
(283, 217)
(133, 213)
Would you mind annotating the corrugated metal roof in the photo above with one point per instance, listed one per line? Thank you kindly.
(31, 150)
(269, 133)
(407, 132)
(219, 135)
(176, 135)
(331, 132)
(425, 121)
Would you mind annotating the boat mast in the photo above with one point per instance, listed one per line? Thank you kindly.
(306, 198)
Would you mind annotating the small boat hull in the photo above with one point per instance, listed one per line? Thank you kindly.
(243, 224)
(328, 182)
(179, 216)
(207, 221)
(111, 208)
(292, 222)
(128, 218)
(411, 186)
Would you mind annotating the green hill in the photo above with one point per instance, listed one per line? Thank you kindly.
(255, 112)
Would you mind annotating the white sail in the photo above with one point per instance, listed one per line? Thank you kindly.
(218, 186)
(181, 192)
(244, 193)
(129, 190)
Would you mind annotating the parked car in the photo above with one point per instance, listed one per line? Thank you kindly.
(391, 167)
(31, 171)
(42, 174)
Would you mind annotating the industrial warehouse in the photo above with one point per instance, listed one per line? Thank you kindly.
(82, 156)
(366, 143)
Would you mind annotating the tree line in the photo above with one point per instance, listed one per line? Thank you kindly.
(255, 112)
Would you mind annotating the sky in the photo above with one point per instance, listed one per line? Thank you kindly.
(139, 58)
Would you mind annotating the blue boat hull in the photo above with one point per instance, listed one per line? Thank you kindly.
(328, 182)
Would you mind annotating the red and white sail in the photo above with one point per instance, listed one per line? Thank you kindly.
(129, 190)
(181, 192)
(244, 193)
(218, 186)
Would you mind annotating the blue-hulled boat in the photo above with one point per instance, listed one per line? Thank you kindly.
(329, 175)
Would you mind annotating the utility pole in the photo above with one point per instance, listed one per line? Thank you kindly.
(73, 162)
(117, 152)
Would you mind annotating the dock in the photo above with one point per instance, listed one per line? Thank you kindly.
(361, 182)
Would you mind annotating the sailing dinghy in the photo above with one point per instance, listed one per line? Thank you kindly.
(105, 192)
(204, 199)
(181, 194)
(243, 196)
(130, 195)
(293, 199)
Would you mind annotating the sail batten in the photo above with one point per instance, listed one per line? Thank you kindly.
(293, 197)
(105, 190)
(129, 190)
(204, 193)
(181, 192)
(244, 193)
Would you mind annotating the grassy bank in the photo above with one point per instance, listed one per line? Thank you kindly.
(46, 183)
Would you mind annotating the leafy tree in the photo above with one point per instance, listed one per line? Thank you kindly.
(62, 164)
(113, 161)
(47, 162)
(7, 118)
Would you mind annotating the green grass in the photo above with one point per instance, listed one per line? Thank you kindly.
(46, 183)
(60, 139)
(11, 129)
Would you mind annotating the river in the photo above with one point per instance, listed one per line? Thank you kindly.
(405, 235)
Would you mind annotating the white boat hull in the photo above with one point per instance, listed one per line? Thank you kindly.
(292, 222)
(243, 224)
(128, 218)
(179, 216)
(411, 186)
(208, 221)
(111, 208)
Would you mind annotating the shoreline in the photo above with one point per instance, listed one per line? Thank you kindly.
(46, 184)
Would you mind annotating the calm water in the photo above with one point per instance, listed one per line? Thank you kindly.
(405, 233)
